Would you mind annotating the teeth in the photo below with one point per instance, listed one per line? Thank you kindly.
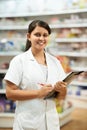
(41, 43)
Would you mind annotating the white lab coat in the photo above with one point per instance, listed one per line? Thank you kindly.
(25, 72)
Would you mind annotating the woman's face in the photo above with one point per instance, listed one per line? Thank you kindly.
(39, 38)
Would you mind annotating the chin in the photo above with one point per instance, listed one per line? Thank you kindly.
(41, 47)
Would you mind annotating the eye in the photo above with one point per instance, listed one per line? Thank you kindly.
(45, 35)
(37, 34)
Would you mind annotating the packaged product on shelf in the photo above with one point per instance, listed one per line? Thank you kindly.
(6, 45)
(62, 105)
(1, 80)
(6, 105)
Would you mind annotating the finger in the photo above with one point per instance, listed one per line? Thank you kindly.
(42, 85)
(49, 85)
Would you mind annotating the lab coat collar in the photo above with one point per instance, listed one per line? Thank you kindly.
(30, 55)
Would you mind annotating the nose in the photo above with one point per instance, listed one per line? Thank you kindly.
(42, 37)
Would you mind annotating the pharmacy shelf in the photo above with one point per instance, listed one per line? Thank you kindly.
(53, 26)
(55, 51)
(78, 101)
(79, 83)
(2, 91)
(10, 53)
(71, 40)
(3, 71)
(6, 120)
(65, 117)
(68, 25)
(79, 68)
(13, 27)
(43, 13)
(79, 97)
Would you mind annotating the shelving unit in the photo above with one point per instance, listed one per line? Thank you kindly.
(59, 50)
(6, 119)
(65, 117)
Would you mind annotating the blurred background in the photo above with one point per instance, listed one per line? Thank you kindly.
(68, 43)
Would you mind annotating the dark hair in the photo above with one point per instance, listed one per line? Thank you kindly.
(32, 26)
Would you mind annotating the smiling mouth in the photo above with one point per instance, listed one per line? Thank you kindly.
(41, 43)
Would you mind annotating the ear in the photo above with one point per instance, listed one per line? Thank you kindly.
(28, 36)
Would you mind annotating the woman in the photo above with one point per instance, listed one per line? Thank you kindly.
(30, 77)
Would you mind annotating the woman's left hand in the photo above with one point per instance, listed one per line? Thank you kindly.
(61, 87)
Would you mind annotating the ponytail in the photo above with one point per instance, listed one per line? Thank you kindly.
(28, 45)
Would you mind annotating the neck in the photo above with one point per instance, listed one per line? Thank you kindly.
(37, 53)
(39, 56)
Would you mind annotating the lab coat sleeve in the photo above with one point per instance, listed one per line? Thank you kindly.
(14, 73)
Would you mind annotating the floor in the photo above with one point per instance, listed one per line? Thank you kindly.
(79, 121)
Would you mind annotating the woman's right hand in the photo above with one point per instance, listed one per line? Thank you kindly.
(61, 87)
(45, 89)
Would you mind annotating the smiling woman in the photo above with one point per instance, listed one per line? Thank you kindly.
(37, 38)
(30, 77)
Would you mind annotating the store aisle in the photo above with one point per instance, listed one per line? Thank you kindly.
(79, 121)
